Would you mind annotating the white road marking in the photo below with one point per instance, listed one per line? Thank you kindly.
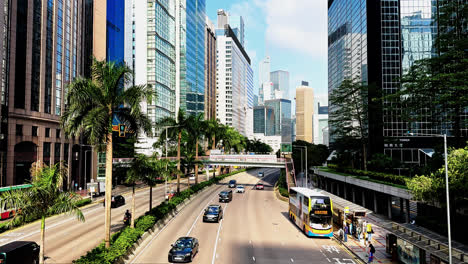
(217, 236)
(196, 220)
(328, 260)
(292, 260)
(253, 259)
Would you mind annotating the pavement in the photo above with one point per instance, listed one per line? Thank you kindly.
(255, 229)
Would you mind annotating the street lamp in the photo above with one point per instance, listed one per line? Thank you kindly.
(165, 180)
(446, 187)
(305, 160)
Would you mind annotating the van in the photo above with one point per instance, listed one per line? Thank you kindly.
(225, 196)
(24, 252)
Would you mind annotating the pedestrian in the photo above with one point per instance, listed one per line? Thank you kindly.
(340, 234)
(371, 252)
(351, 228)
(358, 232)
(369, 232)
(346, 233)
(363, 230)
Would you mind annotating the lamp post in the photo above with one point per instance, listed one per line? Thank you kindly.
(446, 188)
(305, 161)
(165, 179)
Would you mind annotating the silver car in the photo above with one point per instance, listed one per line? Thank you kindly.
(240, 189)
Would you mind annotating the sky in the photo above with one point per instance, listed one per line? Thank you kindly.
(292, 32)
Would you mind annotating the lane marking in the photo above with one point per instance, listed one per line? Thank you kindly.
(253, 259)
(328, 260)
(217, 235)
(292, 260)
(196, 220)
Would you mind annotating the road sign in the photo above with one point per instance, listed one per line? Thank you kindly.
(286, 147)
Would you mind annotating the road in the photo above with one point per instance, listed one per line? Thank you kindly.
(66, 239)
(255, 229)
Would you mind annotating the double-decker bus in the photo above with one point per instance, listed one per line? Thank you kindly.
(6, 211)
(311, 211)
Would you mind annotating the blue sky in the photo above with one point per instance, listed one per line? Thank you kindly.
(293, 31)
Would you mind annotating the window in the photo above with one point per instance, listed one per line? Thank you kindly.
(19, 130)
(57, 135)
(34, 131)
(47, 132)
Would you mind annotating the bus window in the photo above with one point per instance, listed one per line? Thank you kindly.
(292, 194)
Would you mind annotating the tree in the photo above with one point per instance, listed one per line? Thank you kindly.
(316, 154)
(178, 126)
(257, 146)
(43, 199)
(348, 117)
(213, 130)
(92, 105)
(196, 131)
(436, 88)
(431, 188)
(140, 169)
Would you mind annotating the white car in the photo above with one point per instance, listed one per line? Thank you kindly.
(261, 174)
(240, 189)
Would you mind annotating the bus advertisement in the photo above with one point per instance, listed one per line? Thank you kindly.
(7, 211)
(311, 211)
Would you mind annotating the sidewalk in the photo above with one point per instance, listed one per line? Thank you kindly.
(378, 240)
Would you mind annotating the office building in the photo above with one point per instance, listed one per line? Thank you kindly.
(320, 122)
(264, 120)
(41, 51)
(234, 90)
(377, 42)
(264, 79)
(210, 70)
(273, 141)
(170, 56)
(283, 122)
(280, 80)
(304, 113)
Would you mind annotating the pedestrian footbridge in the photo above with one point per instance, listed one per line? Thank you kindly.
(264, 161)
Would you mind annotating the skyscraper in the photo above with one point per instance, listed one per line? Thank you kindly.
(234, 96)
(44, 51)
(210, 70)
(283, 118)
(304, 113)
(377, 42)
(280, 80)
(264, 79)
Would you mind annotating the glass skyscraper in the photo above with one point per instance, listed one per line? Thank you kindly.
(280, 80)
(283, 118)
(377, 42)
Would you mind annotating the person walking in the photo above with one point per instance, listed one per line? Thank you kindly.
(363, 230)
(346, 233)
(358, 232)
(371, 253)
(369, 232)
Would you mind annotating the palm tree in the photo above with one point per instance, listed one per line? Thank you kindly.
(196, 131)
(213, 131)
(164, 168)
(43, 199)
(176, 127)
(92, 105)
(140, 169)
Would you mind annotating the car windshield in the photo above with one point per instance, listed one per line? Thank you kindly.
(183, 244)
(223, 193)
(213, 209)
(232, 181)
(240, 187)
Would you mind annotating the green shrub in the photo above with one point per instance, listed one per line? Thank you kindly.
(284, 192)
(126, 238)
(83, 202)
(391, 178)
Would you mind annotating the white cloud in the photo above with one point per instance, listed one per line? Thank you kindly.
(298, 25)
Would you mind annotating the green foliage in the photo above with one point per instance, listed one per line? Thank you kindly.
(382, 163)
(126, 238)
(316, 154)
(257, 146)
(431, 188)
(282, 184)
(385, 177)
(83, 202)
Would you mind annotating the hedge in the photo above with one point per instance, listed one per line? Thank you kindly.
(282, 185)
(126, 238)
(391, 178)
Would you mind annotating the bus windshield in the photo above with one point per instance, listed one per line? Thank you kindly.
(320, 214)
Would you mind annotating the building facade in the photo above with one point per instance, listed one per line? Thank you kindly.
(264, 120)
(210, 70)
(234, 88)
(377, 42)
(283, 118)
(44, 48)
(264, 79)
(304, 113)
(280, 82)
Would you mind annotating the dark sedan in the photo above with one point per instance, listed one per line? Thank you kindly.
(183, 250)
(116, 201)
(213, 213)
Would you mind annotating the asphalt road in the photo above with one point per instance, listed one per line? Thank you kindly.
(66, 239)
(255, 229)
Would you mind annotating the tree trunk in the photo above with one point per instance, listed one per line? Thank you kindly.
(151, 198)
(213, 146)
(132, 225)
(196, 164)
(41, 251)
(364, 155)
(178, 161)
(108, 189)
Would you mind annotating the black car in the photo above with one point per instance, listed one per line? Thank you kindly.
(225, 196)
(116, 201)
(25, 252)
(183, 250)
(213, 213)
(232, 184)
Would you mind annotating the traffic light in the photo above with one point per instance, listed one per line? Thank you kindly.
(121, 130)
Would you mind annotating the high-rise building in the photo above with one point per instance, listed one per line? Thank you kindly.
(283, 122)
(43, 56)
(264, 120)
(170, 56)
(210, 70)
(377, 42)
(237, 25)
(234, 90)
(264, 79)
(280, 80)
(304, 113)
(4, 62)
